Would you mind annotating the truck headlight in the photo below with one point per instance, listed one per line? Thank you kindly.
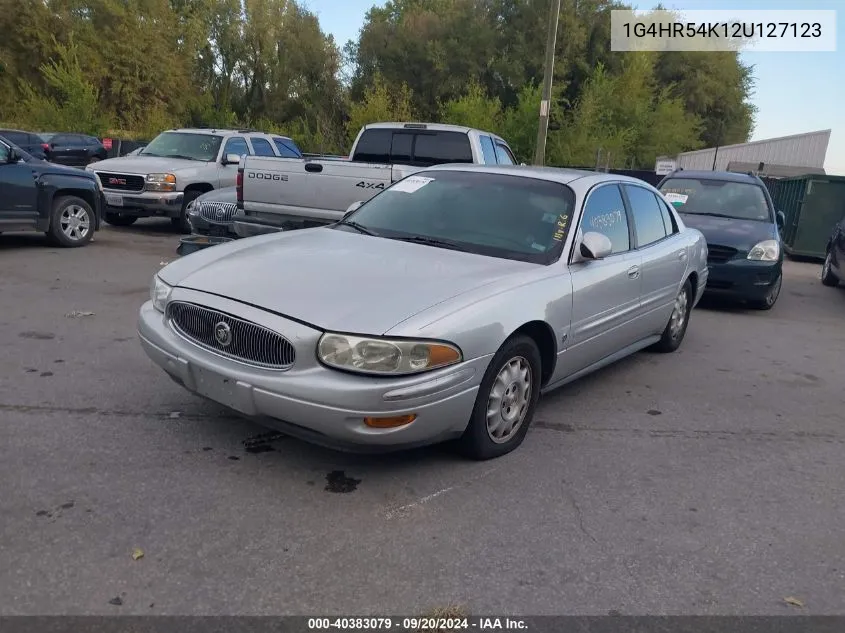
(161, 182)
(159, 293)
(382, 356)
(765, 251)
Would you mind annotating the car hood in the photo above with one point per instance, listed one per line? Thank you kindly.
(46, 167)
(143, 165)
(227, 194)
(739, 234)
(338, 280)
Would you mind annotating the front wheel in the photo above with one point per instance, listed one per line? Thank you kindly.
(828, 276)
(181, 223)
(771, 298)
(71, 222)
(505, 402)
(676, 329)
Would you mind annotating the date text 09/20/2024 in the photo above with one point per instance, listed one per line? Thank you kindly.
(417, 624)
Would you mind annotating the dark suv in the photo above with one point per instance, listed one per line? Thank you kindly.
(74, 150)
(736, 215)
(30, 142)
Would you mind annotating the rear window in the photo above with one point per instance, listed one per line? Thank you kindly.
(420, 148)
(442, 147)
(511, 217)
(719, 198)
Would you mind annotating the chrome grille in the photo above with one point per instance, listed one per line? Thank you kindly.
(247, 342)
(719, 254)
(121, 182)
(218, 212)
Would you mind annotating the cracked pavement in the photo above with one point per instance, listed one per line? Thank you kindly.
(709, 481)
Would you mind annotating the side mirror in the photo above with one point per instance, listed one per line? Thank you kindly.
(781, 219)
(595, 246)
(352, 207)
(232, 159)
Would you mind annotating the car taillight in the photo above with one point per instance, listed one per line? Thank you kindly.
(44, 146)
(239, 187)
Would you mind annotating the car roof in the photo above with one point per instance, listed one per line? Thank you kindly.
(725, 176)
(554, 174)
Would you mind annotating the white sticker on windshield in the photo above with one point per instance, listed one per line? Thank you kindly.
(411, 184)
(675, 198)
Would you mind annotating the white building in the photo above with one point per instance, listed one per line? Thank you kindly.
(794, 155)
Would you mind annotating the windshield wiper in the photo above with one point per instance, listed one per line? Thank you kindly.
(358, 227)
(431, 241)
(184, 157)
(713, 215)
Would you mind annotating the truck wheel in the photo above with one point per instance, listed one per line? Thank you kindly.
(181, 222)
(71, 222)
(116, 219)
(829, 278)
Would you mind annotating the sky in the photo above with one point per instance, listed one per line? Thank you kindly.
(794, 92)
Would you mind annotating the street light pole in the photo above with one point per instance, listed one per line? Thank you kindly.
(545, 103)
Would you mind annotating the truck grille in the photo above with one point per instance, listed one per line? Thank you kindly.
(229, 336)
(719, 254)
(121, 182)
(217, 212)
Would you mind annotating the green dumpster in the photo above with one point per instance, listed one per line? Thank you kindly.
(812, 206)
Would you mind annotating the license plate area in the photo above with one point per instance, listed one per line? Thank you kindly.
(216, 387)
(114, 200)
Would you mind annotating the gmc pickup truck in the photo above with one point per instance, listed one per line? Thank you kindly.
(279, 194)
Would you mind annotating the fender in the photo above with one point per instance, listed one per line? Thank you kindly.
(50, 184)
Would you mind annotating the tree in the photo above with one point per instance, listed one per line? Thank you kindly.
(379, 104)
(474, 109)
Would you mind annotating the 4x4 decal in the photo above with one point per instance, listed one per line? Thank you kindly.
(370, 185)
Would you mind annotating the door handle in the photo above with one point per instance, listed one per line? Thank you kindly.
(682, 255)
(313, 167)
(634, 272)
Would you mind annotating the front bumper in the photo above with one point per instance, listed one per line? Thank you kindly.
(249, 226)
(144, 204)
(310, 401)
(201, 226)
(743, 279)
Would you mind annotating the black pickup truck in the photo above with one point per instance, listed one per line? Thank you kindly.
(35, 195)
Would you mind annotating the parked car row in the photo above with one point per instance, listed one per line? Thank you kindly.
(74, 150)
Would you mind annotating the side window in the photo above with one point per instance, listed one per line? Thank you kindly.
(374, 146)
(504, 156)
(286, 148)
(649, 225)
(488, 150)
(77, 141)
(262, 147)
(236, 145)
(668, 222)
(442, 147)
(400, 147)
(604, 212)
(4, 153)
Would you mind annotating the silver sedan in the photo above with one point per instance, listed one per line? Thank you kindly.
(439, 310)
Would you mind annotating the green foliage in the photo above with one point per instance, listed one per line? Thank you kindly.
(379, 104)
(473, 109)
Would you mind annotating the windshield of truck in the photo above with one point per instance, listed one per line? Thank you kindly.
(720, 198)
(512, 217)
(203, 147)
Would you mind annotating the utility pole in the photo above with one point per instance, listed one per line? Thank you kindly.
(545, 104)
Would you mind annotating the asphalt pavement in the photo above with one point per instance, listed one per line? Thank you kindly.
(709, 481)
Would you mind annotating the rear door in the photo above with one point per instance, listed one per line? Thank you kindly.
(664, 257)
(606, 292)
(61, 149)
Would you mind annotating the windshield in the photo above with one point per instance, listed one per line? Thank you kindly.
(506, 216)
(202, 147)
(738, 200)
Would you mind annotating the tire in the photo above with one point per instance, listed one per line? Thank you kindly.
(518, 352)
(181, 223)
(829, 278)
(115, 219)
(769, 302)
(676, 328)
(71, 222)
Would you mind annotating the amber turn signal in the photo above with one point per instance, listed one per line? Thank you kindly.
(391, 422)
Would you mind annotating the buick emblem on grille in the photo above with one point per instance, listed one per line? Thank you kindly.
(223, 334)
(221, 212)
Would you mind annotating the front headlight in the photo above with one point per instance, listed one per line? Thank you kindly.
(159, 293)
(161, 182)
(765, 251)
(385, 356)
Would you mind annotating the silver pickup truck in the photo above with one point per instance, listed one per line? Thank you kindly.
(277, 194)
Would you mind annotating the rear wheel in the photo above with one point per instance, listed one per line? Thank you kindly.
(828, 276)
(116, 219)
(71, 222)
(505, 402)
(181, 223)
(769, 302)
(676, 329)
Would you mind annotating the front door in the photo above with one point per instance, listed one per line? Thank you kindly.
(18, 193)
(606, 292)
